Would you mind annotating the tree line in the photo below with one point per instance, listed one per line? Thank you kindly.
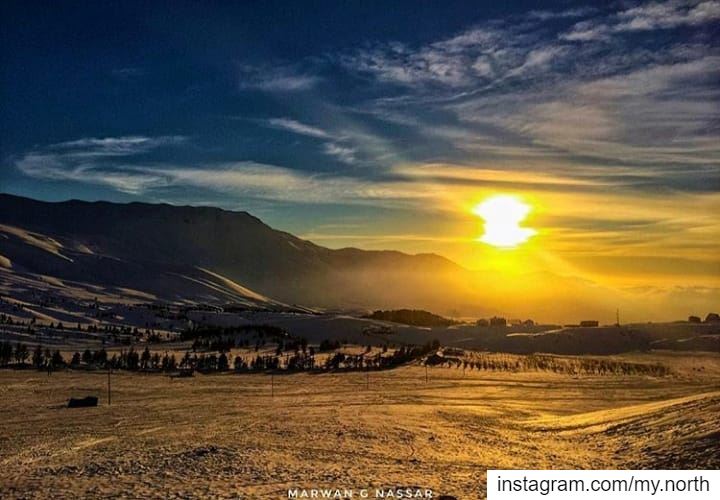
(548, 363)
(301, 359)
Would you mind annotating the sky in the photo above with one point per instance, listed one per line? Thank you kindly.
(380, 125)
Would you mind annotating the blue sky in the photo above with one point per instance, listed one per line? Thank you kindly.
(380, 124)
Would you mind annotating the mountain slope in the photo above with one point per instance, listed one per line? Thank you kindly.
(142, 246)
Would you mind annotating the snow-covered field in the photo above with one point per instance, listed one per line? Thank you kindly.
(256, 436)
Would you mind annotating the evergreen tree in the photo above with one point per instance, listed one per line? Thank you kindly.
(100, 357)
(6, 352)
(38, 359)
(21, 353)
(145, 358)
(57, 360)
(222, 363)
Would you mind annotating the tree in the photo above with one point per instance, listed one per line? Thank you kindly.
(222, 364)
(57, 360)
(38, 359)
(211, 362)
(186, 361)
(21, 353)
(145, 358)
(100, 357)
(165, 364)
(6, 352)
(132, 359)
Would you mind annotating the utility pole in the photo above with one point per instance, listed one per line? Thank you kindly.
(109, 393)
(617, 317)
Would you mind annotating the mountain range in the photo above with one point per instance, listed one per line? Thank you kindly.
(210, 254)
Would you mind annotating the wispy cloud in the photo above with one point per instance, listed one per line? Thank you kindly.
(456, 61)
(545, 15)
(656, 115)
(298, 127)
(336, 144)
(668, 14)
(91, 160)
(511, 91)
(118, 163)
(646, 17)
(586, 31)
(275, 79)
(116, 146)
(343, 153)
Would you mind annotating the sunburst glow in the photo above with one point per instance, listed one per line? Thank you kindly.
(503, 215)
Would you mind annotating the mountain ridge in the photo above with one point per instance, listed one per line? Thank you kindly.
(234, 244)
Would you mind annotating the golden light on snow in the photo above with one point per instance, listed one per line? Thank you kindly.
(503, 216)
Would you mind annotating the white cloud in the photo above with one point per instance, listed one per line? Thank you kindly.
(456, 61)
(64, 168)
(275, 79)
(298, 127)
(657, 115)
(539, 58)
(343, 153)
(545, 15)
(669, 14)
(336, 144)
(116, 146)
(585, 31)
(90, 160)
(645, 17)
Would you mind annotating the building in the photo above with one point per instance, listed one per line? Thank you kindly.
(591, 323)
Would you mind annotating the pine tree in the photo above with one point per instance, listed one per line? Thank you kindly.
(21, 353)
(145, 358)
(57, 360)
(222, 364)
(38, 359)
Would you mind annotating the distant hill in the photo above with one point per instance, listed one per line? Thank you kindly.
(185, 252)
(412, 317)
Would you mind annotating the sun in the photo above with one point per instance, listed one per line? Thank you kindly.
(503, 215)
